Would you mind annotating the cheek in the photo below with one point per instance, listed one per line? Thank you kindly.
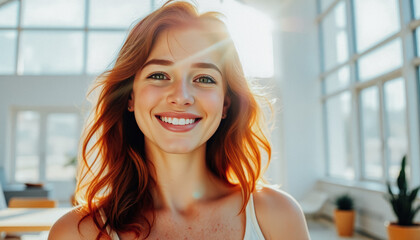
(213, 101)
(145, 97)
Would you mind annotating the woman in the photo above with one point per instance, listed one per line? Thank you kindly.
(173, 150)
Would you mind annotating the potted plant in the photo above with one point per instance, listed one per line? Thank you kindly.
(402, 203)
(344, 215)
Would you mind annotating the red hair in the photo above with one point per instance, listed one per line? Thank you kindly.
(115, 176)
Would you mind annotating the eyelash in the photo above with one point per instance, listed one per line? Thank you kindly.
(211, 79)
(163, 76)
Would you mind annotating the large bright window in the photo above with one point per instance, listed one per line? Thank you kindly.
(45, 142)
(339, 135)
(367, 56)
(83, 37)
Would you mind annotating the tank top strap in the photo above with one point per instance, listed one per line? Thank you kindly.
(111, 233)
(252, 228)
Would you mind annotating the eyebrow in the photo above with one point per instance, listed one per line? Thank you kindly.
(164, 62)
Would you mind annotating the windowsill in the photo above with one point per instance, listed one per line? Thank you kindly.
(374, 187)
(366, 186)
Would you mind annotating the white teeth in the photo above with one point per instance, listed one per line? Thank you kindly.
(178, 121)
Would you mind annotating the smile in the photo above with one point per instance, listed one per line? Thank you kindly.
(177, 121)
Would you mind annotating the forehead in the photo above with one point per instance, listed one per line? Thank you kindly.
(187, 44)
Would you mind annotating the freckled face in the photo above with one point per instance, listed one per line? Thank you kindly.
(178, 96)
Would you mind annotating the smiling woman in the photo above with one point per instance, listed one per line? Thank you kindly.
(174, 146)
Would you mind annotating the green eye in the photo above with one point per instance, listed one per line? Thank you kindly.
(205, 79)
(158, 76)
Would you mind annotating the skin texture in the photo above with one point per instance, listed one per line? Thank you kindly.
(278, 215)
(190, 202)
(186, 89)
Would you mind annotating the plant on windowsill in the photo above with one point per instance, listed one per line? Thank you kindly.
(402, 203)
(344, 215)
(71, 161)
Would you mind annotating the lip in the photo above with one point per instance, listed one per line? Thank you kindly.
(178, 115)
(178, 128)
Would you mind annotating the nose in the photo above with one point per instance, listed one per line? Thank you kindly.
(181, 94)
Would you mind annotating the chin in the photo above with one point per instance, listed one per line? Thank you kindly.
(178, 148)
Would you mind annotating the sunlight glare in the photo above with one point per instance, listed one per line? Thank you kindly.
(251, 32)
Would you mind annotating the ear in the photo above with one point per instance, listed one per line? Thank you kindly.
(131, 102)
(226, 105)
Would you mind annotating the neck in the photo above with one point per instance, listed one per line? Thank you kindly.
(183, 180)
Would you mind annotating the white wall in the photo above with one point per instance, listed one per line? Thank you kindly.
(297, 73)
(297, 141)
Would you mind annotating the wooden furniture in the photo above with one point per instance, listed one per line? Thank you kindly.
(20, 190)
(29, 219)
(19, 202)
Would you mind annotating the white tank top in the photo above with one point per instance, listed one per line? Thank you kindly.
(252, 228)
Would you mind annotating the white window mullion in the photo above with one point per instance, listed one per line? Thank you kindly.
(358, 139)
(43, 147)
(13, 146)
(327, 166)
(411, 87)
(85, 37)
(384, 134)
(19, 29)
(355, 124)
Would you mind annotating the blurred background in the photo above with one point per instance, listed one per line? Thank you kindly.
(344, 73)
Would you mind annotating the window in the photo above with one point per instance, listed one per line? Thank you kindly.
(46, 140)
(60, 37)
(83, 37)
(55, 59)
(375, 20)
(395, 124)
(366, 72)
(334, 33)
(339, 129)
(371, 133)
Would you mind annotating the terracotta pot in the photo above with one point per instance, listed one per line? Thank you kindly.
(344, 222)
(397, 232)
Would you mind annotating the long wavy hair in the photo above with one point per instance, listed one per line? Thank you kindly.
(115, 178)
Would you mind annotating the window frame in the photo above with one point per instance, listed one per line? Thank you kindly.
(409, 72)
(43, 112)
(85, 29)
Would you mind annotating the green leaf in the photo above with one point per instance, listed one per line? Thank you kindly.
(416, 210)
(402, 201)
(414, 194)
(390, 190)
(402, 181)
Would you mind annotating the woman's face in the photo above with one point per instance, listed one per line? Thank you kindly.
(178, 96)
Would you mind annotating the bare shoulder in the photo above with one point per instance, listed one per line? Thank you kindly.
(68, 228)
(279, 215)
